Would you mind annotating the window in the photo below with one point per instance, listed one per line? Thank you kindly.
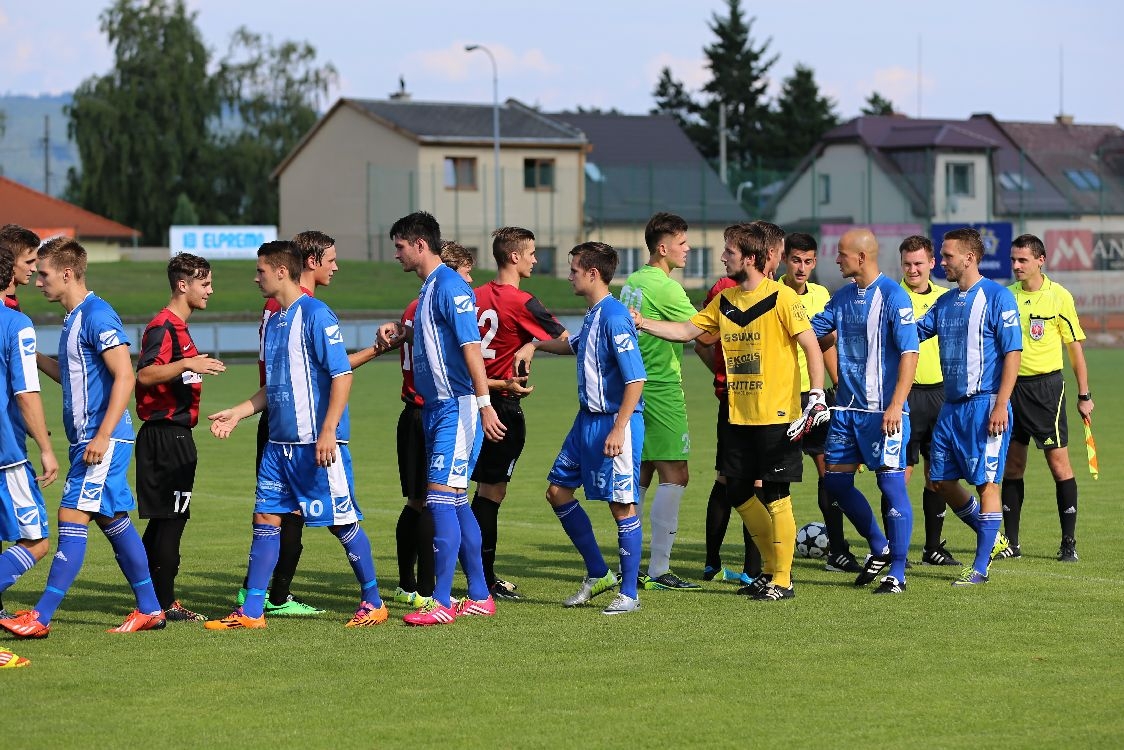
(825, 188)
(538, 174)
(1084, 179)
(698, 263)
(545, 257)
(629, 261)
(960, 179)
(1014, 181)
(460, 173)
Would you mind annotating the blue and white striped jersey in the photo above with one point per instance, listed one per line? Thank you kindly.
(608, 357)
(874, 327)
(444, 322)
(89, 330)
(304, 352)
(977, 329)
(18, 374)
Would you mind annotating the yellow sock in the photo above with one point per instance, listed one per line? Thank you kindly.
(760, 524)
(784, 539)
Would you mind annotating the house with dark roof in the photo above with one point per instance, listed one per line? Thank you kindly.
(368, 162)
(51, 217)
(1061, 181)
(636, 165)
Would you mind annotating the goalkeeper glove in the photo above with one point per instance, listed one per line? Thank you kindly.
(815, 414)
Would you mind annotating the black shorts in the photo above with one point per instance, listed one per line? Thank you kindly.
(412, 461)
(1038, 403)
(497, 460)
(166, 460)
(723, 418)
(925, 402)
(814, 442)
(263, 437)
(761, 452)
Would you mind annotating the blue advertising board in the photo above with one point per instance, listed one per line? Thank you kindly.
(996, 235)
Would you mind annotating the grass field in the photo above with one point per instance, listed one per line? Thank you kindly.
(1030, 660)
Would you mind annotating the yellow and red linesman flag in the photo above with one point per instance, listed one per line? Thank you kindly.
(1091, 448)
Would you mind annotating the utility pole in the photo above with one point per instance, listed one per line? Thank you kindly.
(47, 154)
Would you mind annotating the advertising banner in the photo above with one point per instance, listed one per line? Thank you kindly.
(220, 243)
(997, 236)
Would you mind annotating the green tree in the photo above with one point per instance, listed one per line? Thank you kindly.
(738, 68)
(184, 213)
(876, 104)
(142, 129)
(800, 117)
(271, 96)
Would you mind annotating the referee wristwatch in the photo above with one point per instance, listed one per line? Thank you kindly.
(1085, 396)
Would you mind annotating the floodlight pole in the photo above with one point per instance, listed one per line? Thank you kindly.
(495, 122)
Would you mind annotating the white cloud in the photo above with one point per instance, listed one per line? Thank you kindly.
(453, 63)
(899, 85)
(691, 71)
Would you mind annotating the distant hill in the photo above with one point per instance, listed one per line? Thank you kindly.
(21, 147)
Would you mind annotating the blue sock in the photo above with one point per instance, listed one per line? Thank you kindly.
(14, 563)
(985, 540)
(970, 514)
(446, 543)
(133, 561)
(472, 562)
(358, 548)
(899, 520)
(576, 524)
(631, 539)
(841, 487)
(69, 554)
(264, 549)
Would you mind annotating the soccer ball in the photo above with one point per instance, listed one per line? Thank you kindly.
(811, 540)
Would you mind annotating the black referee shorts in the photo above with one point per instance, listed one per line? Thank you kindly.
(412, 461)
(925, 402)
(166, 460)
(1038, 403)
(497, 460)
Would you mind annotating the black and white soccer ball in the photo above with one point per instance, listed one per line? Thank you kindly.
(811, 540)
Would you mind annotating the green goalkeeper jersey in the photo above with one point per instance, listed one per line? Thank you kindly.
(658, 297)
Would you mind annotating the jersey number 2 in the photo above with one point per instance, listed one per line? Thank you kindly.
(489, 325)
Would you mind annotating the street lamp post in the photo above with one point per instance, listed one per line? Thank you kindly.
(495, 122)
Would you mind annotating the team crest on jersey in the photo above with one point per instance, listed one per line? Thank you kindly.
(1037, 328)
(463, 303)
(623, 342)
(334, 335)
(1010, 318)
(27, 346)
(905, 314)
(108, 339)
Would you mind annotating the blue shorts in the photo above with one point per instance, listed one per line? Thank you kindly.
(582, 461)
(289, 480)
(961, 447)
(855, 437)
(23, 514)
(100, 488)
(453, 439)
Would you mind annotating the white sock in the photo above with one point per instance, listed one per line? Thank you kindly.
(664, 517)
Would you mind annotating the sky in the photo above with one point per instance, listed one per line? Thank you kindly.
(948, 59)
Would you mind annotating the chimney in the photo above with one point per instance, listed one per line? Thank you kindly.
(401, 95)
(1064, 119)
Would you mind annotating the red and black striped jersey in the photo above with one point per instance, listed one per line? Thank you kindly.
(719, 357)
(406, 358)
(167, 340)
(271, 308)
(508, 318)
(11, 302)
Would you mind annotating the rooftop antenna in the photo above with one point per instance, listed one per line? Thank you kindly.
(918, 76)
(1061, 80)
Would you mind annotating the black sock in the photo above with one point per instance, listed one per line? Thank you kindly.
(717, 521)
(405, 534)
(1066, 491)
(752, 564)
(424, 549)
(934, 508)
(162, 545)
(487, 514)
(1012, 498)
(292, 527)
(832, 520)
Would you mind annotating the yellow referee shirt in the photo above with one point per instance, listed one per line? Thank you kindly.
(1049, 320)
(929, 359)
(756, 330)
(814, 299)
